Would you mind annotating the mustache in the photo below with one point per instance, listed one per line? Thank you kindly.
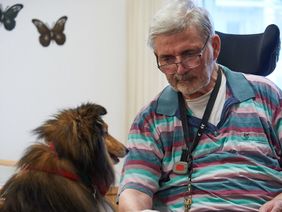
(181, 77)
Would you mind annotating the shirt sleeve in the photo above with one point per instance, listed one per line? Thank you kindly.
(142, 167)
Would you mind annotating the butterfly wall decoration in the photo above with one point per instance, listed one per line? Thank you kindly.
(56, 33)
(8, 16)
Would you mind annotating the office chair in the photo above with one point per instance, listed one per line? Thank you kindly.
(251, 53)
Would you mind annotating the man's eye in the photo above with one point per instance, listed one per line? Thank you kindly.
(167, 60)
(188, 54)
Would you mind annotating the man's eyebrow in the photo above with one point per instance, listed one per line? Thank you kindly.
(184, 52)
(166, 56)
(190, 51)
(162, 55)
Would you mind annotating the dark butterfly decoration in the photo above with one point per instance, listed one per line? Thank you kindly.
(56, 33)
(7, 17)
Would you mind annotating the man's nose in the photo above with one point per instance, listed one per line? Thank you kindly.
(180, 67)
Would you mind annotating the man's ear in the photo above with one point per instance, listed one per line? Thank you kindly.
(216, 43)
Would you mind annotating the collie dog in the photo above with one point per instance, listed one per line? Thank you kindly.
(69, 168)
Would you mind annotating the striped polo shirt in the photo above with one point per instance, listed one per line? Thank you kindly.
(236, 163)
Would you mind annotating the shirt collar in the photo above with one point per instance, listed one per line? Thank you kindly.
(167, 103)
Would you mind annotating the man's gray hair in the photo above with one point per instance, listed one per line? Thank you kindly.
(177, 16)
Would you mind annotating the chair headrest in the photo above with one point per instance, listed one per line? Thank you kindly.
(251, 53)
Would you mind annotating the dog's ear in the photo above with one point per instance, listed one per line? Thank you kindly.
(100, 110)
(67, 117)
(91, 108)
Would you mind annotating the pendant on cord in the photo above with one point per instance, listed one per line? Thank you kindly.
(180, 167)
(184, 166)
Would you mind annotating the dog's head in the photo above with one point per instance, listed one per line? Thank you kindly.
(115, 149)
(80, 136)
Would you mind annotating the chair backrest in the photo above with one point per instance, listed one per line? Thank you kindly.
(251, 53)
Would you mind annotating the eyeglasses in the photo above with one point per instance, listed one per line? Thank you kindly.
(189, 61)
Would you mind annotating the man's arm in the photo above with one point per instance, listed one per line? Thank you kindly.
(274, 205)
(133, 200)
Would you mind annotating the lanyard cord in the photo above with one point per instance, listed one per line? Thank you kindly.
(185, 165)
(187, 152)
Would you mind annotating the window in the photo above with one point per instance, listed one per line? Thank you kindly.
(247, 16)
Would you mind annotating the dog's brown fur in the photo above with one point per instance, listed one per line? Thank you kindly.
(70, 169)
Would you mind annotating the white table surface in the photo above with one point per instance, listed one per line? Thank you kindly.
(5, 173)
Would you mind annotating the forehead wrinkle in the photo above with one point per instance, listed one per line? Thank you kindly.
(176, 44)
(179, 51)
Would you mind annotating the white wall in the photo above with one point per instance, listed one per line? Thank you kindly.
(36, 81)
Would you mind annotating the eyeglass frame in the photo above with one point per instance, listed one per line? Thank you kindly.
(181, 62)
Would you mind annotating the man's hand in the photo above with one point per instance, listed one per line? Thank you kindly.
(132, 200)
(275, 205)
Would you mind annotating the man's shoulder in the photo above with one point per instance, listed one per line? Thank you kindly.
(260, 81)
(255, 81)
(163, 104)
